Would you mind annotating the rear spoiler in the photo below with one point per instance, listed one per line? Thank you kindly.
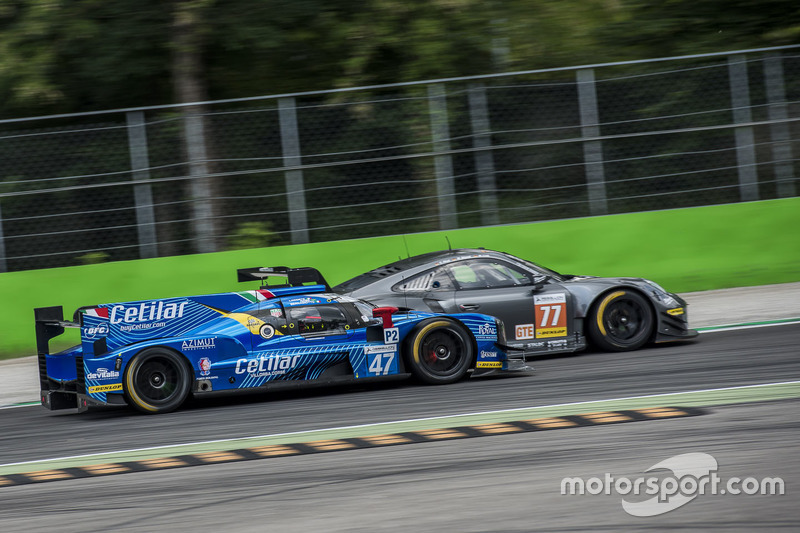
(295, 277)
(50, 323)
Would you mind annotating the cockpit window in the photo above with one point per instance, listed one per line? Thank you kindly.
(313, 319)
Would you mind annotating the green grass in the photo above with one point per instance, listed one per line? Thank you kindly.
(684, 250)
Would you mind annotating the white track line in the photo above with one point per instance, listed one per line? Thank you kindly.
(410, 420)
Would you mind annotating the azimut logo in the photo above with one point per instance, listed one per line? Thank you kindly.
(146, 312)
(683, 478)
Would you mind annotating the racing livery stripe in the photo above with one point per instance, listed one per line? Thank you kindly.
(334, 444)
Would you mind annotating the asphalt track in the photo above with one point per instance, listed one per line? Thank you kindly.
(720, 359)
(499, 483)
(504, 483)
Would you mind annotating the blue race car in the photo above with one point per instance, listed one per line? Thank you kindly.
(152, 354)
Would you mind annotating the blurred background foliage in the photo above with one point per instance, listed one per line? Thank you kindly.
(61, 56)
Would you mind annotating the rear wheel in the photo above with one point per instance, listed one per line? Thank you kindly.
(439, 351)
(156, 381)
(620, 321)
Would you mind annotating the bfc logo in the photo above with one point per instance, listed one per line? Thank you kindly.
(96, 331)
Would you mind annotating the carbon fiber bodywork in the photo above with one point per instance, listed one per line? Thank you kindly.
(525, 296)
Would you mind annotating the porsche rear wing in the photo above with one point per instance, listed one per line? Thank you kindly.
(295, 277)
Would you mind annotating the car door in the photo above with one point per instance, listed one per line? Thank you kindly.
(495, 288)
(529, 312)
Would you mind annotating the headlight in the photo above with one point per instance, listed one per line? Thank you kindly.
(662, 295)
(656, 286)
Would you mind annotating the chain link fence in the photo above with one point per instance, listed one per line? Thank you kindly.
(498, 149)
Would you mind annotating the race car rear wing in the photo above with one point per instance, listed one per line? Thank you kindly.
(50, 323)
(295, 277)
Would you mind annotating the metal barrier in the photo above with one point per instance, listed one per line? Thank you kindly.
(400, 158)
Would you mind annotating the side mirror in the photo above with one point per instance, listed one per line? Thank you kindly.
(539, 281)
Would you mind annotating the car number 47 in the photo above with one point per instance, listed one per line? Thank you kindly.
(381, 364)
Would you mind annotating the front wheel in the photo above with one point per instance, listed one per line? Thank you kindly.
(156, 381)
(439, 352)
(620, 321)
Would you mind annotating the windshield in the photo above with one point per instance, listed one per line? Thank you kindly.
(544, 270)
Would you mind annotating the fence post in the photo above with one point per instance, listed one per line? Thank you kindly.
(199, 184)
(745, 141)
(3, 265)
(484, 162)
(142, 193)
(295, 190)
(592, 150)
(443, 164)
(779, 129)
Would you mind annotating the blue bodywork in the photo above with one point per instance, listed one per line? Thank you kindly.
(242, 340)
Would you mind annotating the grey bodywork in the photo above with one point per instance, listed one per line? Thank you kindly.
(426, 282)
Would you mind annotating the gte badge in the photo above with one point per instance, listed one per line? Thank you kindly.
(551, 315)
(391, 336)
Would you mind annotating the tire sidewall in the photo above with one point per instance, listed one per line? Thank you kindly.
(596, 327)
(414, 342)
(133, 397)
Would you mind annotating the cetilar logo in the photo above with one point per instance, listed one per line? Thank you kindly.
(688, 470)
(147, 311)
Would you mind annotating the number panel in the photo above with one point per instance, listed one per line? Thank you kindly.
(551, 315)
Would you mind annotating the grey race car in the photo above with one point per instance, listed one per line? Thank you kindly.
(543, 311)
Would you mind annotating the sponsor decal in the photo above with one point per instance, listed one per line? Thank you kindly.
(487, 329)
(305, 301)
(199, 344)
(277, 313)
(96, 331)
(381, 348)
(106, 388)
(550, 311)
(523, 332)
(205, 366)
(103, 373)
(492, 355)
(551, 332)
(543, 299)
(146, 312)
(541, 344)
(267, 331)
(267, 365)
(489, 364)
(675, 312)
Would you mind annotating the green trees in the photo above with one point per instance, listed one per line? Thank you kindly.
(58, 55)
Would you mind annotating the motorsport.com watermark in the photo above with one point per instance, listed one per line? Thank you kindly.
(693, 474)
